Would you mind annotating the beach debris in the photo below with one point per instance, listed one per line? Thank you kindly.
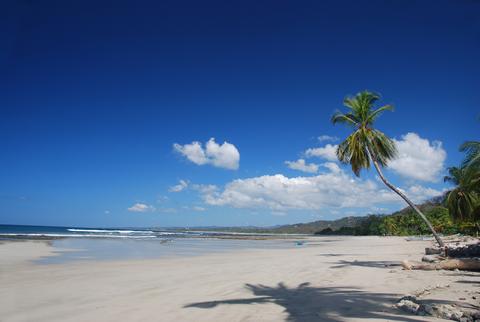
(431, 258)
(463, 250)
(428, 290)
(432, 251)
(408, 304)
(457, 246)
(412, 304)
(418, 238)
(465, 264)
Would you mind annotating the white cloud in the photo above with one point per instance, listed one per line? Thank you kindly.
(333, 189)
(182, 185)
(205, 188)
(193, 151)
(222, 156)
(327, 138)
(278, 192)
(418, 158)
(141, 207)
(302, 166)
(328, 152)
(332, 166)
(419, 193)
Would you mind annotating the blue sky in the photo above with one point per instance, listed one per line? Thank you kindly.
(95, 95)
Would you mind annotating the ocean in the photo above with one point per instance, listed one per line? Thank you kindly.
(24, 231)
(80, 243)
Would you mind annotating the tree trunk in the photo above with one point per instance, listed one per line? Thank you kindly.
(408, 201)
(467, 264)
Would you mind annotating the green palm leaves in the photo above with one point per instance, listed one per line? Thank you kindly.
(463, 201)
(472, 150)
(365, 139)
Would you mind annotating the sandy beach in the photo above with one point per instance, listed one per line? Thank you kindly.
(327, 279)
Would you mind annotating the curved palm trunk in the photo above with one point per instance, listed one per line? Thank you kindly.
(408, 201)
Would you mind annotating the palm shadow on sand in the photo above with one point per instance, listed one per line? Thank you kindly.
(305, 303)
(375, 264)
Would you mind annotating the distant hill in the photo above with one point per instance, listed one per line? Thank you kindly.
(319, 225)
(300, 228)
(402, 222)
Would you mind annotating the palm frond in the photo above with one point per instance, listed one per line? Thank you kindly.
(347, 118)
(353, 151)
(463, 201)
(379, 111)
(453, 175)
(472, 151)
(351, 103)
(382, 147)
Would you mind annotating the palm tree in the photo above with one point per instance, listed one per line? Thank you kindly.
(367, 144)
(462, 201)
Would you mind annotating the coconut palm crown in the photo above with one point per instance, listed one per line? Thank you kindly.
(368, 145)
(463, 200)
(365, 142)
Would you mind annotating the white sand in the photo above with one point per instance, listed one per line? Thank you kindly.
(329, 279)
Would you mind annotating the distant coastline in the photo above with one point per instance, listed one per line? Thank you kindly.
(161, 234)
(400, 223)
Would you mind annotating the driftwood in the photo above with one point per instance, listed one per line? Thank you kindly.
(466, 264)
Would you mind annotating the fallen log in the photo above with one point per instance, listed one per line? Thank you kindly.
(465, 264)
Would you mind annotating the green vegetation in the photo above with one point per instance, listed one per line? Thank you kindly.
(406, 223)
(463, 201)
(367, 144)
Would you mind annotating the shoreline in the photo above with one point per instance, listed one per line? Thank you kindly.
(330, 279)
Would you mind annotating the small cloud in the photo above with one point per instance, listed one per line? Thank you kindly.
(332, 166)
(301, 165)
(141, 207)
(418, 193)
(327, 138)
(328, 152)
(107, 212)
(225, 155)
(182, 185)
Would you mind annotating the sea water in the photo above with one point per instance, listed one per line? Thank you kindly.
(84, 244)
